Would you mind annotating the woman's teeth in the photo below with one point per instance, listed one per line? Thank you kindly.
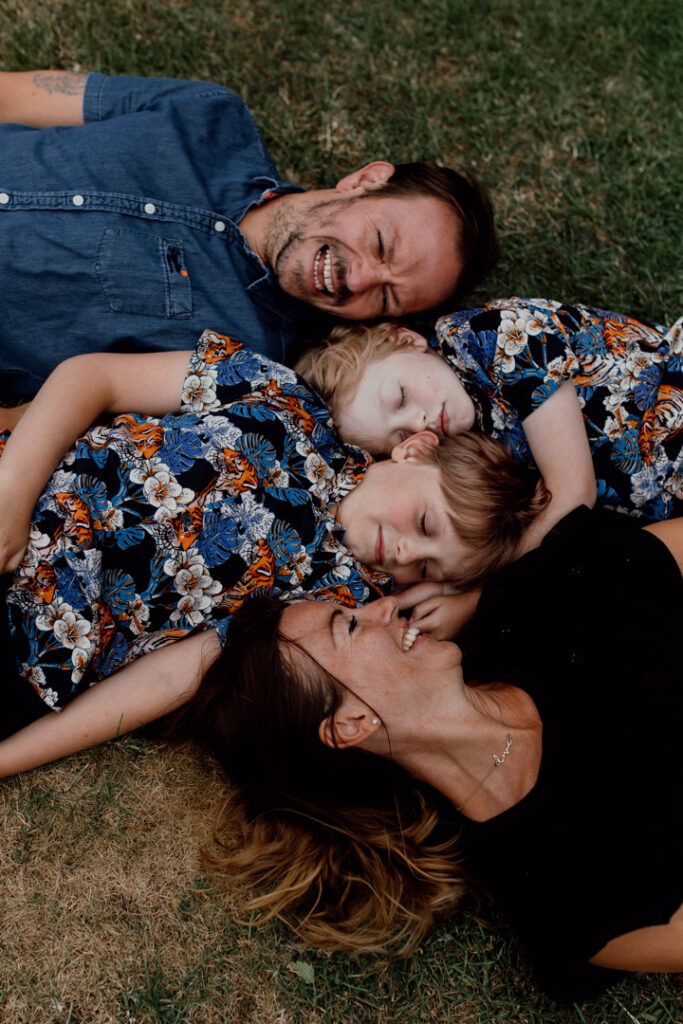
(411, 635)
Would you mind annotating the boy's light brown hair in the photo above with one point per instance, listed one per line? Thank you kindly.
(334, 366)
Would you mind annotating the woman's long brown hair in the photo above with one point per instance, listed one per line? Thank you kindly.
(343, 845)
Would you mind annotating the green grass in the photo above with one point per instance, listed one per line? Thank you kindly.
(571, 113)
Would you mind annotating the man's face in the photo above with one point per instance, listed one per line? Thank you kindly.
(365, 256)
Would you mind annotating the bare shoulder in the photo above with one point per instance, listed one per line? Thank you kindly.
(670, 532)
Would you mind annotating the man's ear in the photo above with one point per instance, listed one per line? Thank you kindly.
(404, 334)
(415, 446)
(348, 727)
(366, 178)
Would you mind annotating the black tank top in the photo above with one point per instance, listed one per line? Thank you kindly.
(591, 626)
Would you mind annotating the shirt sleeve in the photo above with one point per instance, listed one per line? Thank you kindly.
(106, 97)
(516, 350)
(223, 371)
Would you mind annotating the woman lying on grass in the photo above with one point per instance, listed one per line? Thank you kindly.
(371, 761)
(156, 525)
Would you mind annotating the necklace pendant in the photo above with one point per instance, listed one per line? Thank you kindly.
(500, 758)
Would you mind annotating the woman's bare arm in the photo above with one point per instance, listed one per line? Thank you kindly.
(140, 693)
(42, 98)
(657, 948)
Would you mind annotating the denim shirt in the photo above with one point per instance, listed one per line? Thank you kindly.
(121, 234)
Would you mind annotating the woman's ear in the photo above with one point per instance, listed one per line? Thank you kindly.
(346, 729)
(415, 446)
(366, 178)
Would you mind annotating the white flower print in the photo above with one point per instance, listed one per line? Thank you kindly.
(52, 614)
(194, 579)
(80, 659)
(513, 333)
(72, 631)
(34, 675)
(199, 391)
(320, 474)
(190, 608)
(36, 549)
(161, 488)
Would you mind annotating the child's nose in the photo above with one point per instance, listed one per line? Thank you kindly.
(421, 420)
(405, 552)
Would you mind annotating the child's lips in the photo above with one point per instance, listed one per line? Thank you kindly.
(379, 547)
(444, 421)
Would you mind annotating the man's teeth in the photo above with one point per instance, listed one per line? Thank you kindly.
(322, 271)
(410, 637)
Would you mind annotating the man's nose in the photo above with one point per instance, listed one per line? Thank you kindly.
(362, 275)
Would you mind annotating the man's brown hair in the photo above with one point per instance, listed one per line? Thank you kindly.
(477, 242)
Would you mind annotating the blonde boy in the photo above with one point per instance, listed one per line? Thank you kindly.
(384, 383)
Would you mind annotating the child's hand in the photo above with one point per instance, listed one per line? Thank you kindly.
(411, 595)
(446, 615)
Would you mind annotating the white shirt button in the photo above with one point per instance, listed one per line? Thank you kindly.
(78, 200)
(150, 208)
(4, 198)
(219, 225)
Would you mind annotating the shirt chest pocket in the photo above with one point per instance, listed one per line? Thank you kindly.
(143, 273)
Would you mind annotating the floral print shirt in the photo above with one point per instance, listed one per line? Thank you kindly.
(153, 528)
(513, 354)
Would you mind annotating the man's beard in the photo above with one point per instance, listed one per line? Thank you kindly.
(286, 237)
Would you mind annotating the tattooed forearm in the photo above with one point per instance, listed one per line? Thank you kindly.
(66, 82)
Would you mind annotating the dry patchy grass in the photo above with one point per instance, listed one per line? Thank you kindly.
(103, 902)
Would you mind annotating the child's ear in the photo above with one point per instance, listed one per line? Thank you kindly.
(404, 334)
(367, 178)
(415, 446)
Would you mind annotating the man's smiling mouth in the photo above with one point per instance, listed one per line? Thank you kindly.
(322, 271)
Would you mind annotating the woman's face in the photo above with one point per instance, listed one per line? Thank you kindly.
(397, 520)
(369, 651)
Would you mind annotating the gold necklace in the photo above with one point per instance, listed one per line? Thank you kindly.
(498, 760)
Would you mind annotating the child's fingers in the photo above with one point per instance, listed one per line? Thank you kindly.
(412, 596)
(424, 611)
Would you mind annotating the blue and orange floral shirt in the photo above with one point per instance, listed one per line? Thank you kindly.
(513, 354)
(153, 528)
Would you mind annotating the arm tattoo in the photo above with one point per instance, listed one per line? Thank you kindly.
(66, 82)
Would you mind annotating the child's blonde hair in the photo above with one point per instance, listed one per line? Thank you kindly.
(335, 365)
